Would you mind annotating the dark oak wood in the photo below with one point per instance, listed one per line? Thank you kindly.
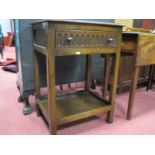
(50, 60)
(76, 106)
(61, 87)
(36, 75)
(37, 79)
(146, 49)
(106, 75)
(151, 75)
(113, 88)
(144, 55)
(88, 71)
(151, 79)
(63, 38)
(126, 70)
(132, 92)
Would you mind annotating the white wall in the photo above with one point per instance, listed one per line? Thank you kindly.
(5, 23)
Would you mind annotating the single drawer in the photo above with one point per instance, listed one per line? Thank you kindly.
(85, 39)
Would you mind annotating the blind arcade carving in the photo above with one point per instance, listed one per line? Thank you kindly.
(78, 38)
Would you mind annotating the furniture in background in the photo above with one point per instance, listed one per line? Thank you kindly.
(151, 78)
(127, 67)
(126, 63)
(24, 57)
(58, 38)
(127, 60)
(142, 46)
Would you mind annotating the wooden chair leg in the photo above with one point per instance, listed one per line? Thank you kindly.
(132, 92)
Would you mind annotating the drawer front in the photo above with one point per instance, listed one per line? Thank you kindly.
(85, 39)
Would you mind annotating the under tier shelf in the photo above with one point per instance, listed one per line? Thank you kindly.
(76, 106)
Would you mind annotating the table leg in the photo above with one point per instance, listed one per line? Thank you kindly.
(113, 88)
(152, 81)
(50, 65)
(150, 78)
(106, 75)
(61, 87)
(88, 72)
(37, 81)
(132, 92)
(51, 95)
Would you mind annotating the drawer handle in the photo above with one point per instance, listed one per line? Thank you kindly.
(110, 40)
(69, 39)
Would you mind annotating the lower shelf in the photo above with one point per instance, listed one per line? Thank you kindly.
(75, 106)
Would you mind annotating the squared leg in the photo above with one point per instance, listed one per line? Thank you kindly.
(37, 80)
(149, 83)
(50, 67)
(113, 88)
(106, 75)
(152, 80)
(132, 92)
(88, 72)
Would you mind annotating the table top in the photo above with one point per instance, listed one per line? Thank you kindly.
(78, 22)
